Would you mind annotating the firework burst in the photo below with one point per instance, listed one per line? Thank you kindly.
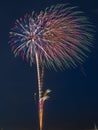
(61, 36)
(58, 37)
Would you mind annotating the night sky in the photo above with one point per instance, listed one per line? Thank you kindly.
(73, 102)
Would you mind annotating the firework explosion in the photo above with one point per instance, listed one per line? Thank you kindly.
(58, 37)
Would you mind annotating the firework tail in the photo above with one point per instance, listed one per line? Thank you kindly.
(41, 118)
(42, 97)
(42, 75)
(40, 108)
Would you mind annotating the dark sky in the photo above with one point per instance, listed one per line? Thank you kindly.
(73, 101)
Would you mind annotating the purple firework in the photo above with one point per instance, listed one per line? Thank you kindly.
(61, 36)
(57, 37)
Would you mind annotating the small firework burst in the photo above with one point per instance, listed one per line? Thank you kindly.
(60, 35)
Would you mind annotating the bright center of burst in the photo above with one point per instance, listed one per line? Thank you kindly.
(32, 38)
